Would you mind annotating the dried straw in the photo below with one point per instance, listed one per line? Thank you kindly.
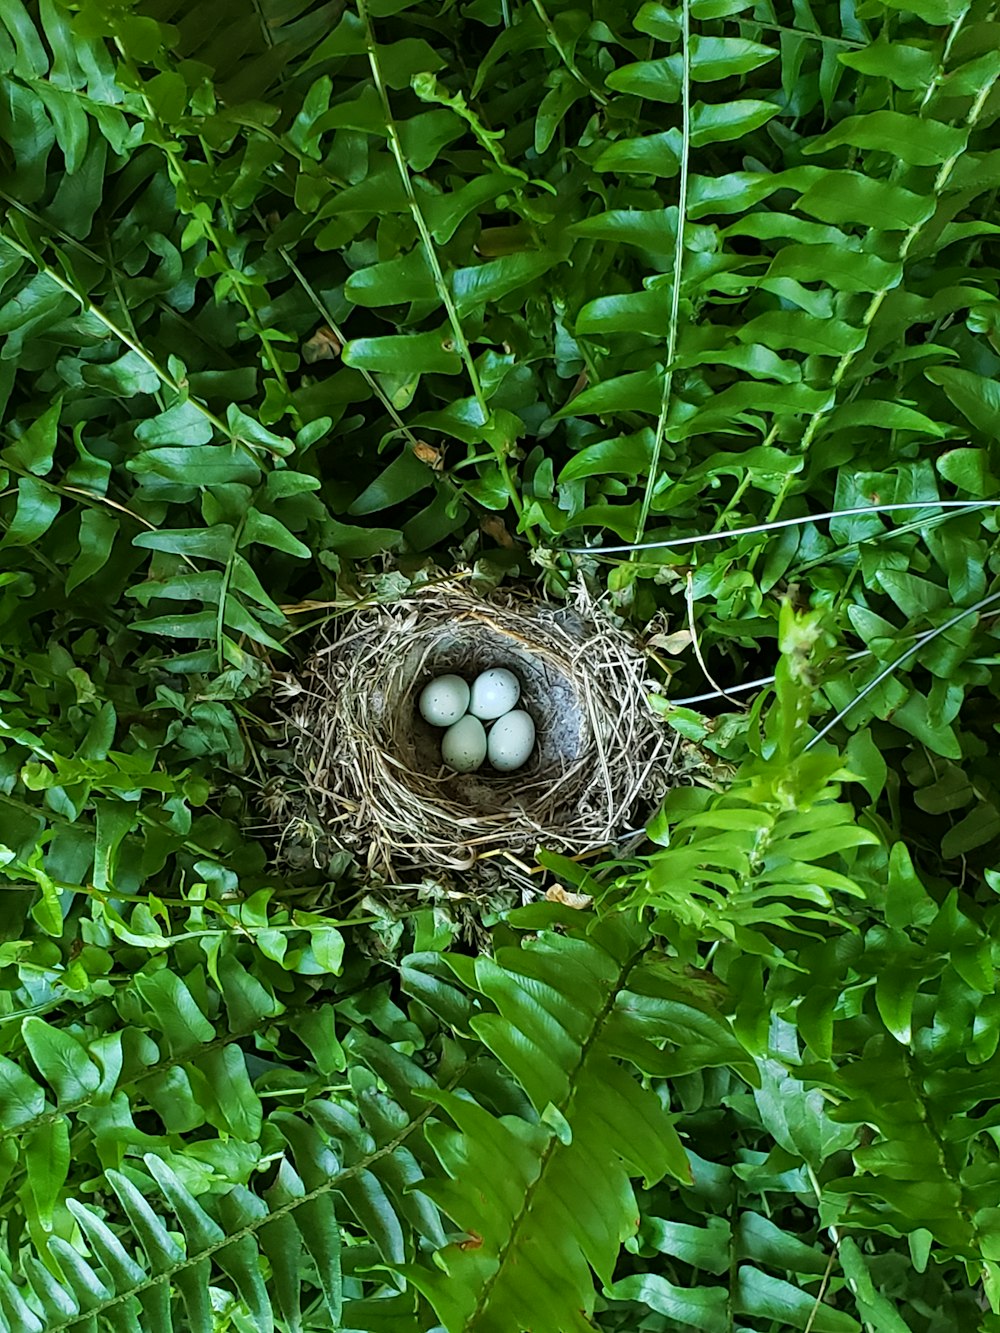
(372, 781)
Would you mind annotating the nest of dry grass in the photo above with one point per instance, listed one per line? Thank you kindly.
(370, 778)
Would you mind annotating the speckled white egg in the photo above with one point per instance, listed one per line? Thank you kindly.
(494, 693)
(444, 700)
(511, 741)
(463, 745)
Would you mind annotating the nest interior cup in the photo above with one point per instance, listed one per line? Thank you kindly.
(547, 693)
(371, 766)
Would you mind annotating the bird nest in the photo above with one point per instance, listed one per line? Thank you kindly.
(370, 777)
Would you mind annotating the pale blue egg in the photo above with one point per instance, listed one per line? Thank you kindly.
(444, 700)
(463, 745)
(511, 741)
(494, 692)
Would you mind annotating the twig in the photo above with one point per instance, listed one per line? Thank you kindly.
(821, 1293)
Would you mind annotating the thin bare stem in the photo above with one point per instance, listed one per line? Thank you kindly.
(689, 599)
(775, 524)
(903, 657)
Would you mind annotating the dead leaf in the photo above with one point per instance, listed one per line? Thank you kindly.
(579, 901)
(671, 643)
(493, 526)
(427, 453)
(579, 385)
(324, 345)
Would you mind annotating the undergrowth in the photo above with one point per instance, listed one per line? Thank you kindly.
(303, 300)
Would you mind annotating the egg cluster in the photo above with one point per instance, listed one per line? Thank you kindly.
(449, 701)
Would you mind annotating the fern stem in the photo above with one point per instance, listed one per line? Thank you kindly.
(251, 1228)
(847, 42)
(131, 343)
(327, 316)
(599, 1019)
(178, 175)
(239, 281)
(675, 294)
(556, 42)
(912, 232)
(430, 251)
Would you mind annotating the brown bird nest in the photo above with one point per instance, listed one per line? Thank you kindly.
(370, 778)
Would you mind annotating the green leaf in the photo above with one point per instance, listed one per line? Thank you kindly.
(975, 396)
(37, 507)
(937, 12)
(764, 1297)
(98, 530)
(884, 416)
(30, 59)
(758, 1238)
(633, 312)
(183, 423)
(877, 1311)
(652, 154)
(707, 1247)
(919, 141)
(717, 58)
(197, 465)
(794, 329)
(895, 991)
(405, 354)
(638, 392)
(721, 121)
(21, 1098)
(848, 196)
(846, 270)
(226, 1071)
(404, 477)
(173, 1010)
(705, 1307)
(475, 286)
(909, 67)
(248, 430)
(658, 21)
(212, 543)
(629, 455)
(654, 80)
(268, 531)
(33, 451)
(47, 1163)
(649, 229)
(406, 278)
(61, 1060)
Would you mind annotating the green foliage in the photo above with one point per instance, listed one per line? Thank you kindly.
(292, 290)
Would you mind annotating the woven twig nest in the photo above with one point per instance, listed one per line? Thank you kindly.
(370, 767)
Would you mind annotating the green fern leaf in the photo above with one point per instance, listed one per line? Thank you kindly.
(573, 1011)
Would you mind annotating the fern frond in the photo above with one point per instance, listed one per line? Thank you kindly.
(254, 1245)
(546, 1200)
